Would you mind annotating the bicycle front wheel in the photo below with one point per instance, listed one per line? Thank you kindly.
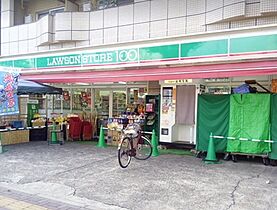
(144, 149)
(124, 150)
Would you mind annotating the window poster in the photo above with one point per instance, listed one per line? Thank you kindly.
(167, 99)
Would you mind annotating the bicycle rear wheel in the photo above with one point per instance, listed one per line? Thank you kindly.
(144, 149)
(124, 150)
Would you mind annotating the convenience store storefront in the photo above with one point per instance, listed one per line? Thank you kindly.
(248, 52)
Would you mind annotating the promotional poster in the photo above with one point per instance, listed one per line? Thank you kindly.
(8, 91)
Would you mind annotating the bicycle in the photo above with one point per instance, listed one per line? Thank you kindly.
(133, 144)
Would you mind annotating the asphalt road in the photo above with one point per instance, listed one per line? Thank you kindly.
(90, 177)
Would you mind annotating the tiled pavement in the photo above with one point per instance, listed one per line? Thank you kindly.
(15, 200)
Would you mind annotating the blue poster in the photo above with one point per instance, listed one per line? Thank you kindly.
(8, 91)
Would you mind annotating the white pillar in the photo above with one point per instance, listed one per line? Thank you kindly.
(7, 13)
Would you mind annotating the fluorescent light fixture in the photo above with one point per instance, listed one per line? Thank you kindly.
(82, 83)
(120, 82)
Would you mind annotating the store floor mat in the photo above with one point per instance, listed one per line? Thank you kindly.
(175, 152)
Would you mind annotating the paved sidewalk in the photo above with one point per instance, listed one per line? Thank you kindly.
(15, 200)
(83, 175)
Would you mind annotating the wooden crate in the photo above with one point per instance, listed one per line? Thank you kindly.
(15, 137)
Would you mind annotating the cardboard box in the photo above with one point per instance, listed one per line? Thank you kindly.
(274, 86)
(15, 137)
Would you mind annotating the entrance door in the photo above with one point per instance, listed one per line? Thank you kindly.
(184, 128)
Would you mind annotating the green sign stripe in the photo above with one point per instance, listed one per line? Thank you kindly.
(253, 44)
(6, 63)
(159, 52)
(25, 63)
(214, 47)
(152, 53)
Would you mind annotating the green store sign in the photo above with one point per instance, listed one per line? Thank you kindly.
(84, 59)
(221, 47)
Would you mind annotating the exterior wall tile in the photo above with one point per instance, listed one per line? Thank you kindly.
(141, 31)
(176, 26)
(32, 30)
(268, 6)
(23, 32)
(5, 48)
(142, 12)
(14, 34)
(82, 43)
(195, 7)
(125, 33)
(5, 35)
(69, 45)
(110, 35)
(158, 29)
(63, 21)
(23, 47)
(218, 26)
(214, 16)
(80, 35)
(63, 35)
(243, 23)
(80, 21)
(32, 45)
(158, 9)
(96, 20)
(110, 17)
(43, 48)
(176, 8)
(126, 15)
(13, 48)
(252, 10)
(195, 24)
(55, 46)
(96, 37)
(212, 4)
(267, 20)
(234, 10)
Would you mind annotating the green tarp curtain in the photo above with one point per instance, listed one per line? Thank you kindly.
(273, 154)
(213, 116)
(249, 118)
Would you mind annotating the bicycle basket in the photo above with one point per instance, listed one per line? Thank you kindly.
(132, 129)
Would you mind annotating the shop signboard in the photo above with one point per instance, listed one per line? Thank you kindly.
(178, 81)
(8, 91)
(84, 59)
(193, 50)
(32, 109)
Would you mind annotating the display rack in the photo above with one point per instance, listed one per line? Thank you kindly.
(152, 113)
(119, 103)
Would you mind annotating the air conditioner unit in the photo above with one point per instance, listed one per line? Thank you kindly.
(28, 19)
(87, 7)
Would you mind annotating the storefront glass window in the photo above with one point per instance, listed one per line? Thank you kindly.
(66, 100)
(137, 95)
(102, 103)
(81, 100)
(119, 102)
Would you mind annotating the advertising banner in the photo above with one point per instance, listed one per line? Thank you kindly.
(8, 91)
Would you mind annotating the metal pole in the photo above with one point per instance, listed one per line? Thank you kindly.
(1, 148)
